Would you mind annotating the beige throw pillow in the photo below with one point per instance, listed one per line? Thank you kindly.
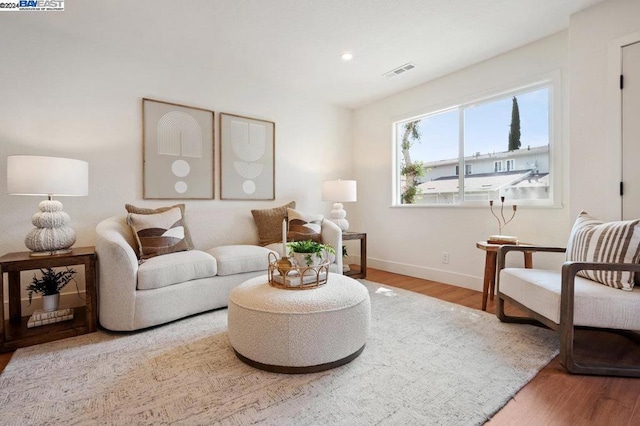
(304, 226)
(593, 240)
(269, 223)
(159, 233)
(145, 210)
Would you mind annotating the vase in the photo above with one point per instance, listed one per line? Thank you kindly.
(50, 302)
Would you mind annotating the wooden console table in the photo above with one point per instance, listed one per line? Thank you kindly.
(14, 332)
(362, 236)
(491, 258)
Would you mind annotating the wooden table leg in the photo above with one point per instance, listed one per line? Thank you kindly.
(528, 259)
(15, 304)
(489, 277)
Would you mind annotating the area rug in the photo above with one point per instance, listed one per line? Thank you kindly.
(426, 362)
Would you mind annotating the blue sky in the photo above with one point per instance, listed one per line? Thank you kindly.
(486, 128)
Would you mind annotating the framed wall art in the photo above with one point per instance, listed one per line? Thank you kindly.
(178, 151)
(247, 158)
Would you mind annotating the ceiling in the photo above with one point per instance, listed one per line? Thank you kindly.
(296, 45)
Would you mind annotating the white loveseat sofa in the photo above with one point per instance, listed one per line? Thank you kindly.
(165, 288)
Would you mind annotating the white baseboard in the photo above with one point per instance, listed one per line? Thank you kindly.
(447, 277)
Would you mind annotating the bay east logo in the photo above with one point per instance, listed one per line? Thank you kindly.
(31, 5)
(41, 3)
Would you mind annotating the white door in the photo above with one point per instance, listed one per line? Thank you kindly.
(631, 131)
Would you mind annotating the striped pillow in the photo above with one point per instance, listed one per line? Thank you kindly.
(592, 240)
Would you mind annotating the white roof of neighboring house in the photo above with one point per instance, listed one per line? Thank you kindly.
(493, 156)
(485, 182)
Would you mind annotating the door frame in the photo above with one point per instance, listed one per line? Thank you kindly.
(613, 119)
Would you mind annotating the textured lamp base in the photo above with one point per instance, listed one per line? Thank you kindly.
(52, 234)
(339, 216)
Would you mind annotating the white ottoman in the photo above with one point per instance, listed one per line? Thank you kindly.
(299, 331)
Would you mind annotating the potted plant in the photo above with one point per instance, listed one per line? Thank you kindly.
(49, 286)
(310, 253)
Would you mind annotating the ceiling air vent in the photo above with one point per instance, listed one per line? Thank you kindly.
(400, 70)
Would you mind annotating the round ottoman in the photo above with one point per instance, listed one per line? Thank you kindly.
(299, 331)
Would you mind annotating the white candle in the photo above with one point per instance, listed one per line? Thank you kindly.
(284, 237)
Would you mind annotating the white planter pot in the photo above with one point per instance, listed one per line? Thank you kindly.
(308, 259)
(51, 302)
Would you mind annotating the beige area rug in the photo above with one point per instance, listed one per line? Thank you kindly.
(427, 362)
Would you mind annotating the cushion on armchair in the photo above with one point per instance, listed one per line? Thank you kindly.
(592, 240)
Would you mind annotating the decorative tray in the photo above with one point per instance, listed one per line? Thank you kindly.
(284, 273)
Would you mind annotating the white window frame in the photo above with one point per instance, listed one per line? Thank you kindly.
(509, 165)
(551, 80)
(497, 166)
(468, 169)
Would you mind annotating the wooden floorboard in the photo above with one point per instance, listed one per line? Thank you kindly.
(4, 360)
(553, 397)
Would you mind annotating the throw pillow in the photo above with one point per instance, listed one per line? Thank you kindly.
(269, 223)
(593, 240)
(145, 210)
(159, 233)
(304, 226)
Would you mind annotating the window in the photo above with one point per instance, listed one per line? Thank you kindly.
(502, 143)
(467, 169)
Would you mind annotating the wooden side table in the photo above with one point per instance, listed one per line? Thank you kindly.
(362, 236)
(14, 332)
(491, 258)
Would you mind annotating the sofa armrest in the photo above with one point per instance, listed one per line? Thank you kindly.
(332, 235)
(117, 275)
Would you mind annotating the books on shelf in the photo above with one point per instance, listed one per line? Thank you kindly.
(41, 317)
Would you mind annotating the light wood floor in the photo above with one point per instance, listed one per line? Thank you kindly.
(553, 397)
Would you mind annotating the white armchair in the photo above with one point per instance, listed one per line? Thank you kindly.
(563, 301)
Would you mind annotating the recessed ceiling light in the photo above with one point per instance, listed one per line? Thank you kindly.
(347, 56)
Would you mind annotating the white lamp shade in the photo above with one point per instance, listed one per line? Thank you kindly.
(36, 175)
(339, 190)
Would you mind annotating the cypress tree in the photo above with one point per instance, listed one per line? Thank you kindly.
(514, 131)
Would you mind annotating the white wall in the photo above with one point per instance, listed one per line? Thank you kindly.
(410, 240)
(63, 96)
(594, 123)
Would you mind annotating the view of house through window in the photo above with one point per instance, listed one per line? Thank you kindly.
(501, 143)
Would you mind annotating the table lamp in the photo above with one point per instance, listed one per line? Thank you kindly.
(339, 191)
(48, 176)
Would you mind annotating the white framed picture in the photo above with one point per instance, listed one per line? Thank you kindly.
(178, 151)
(247, 158)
